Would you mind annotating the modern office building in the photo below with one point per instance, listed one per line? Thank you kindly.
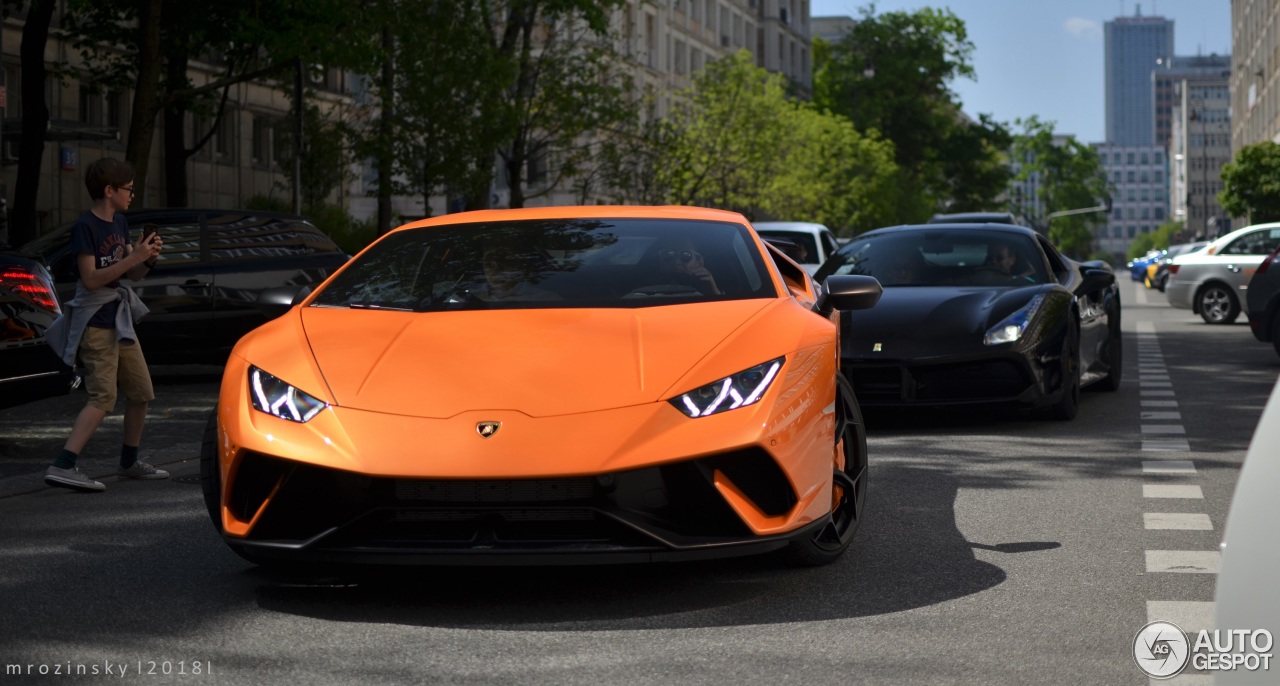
(832, 29)
(1169, 73)
(1199, 147)
(1139, 202)
(1255, 79)
(1134, 47)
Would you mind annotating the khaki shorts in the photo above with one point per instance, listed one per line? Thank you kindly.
(109, 363)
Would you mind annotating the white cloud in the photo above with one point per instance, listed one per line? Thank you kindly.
(1083, 28)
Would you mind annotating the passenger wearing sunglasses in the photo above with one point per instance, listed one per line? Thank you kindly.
(681, 262)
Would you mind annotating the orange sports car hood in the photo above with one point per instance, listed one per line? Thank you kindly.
(541, 362)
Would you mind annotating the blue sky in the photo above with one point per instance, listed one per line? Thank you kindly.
(1044, 57)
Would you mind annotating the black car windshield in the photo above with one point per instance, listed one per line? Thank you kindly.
(553, 263)
(945, 257)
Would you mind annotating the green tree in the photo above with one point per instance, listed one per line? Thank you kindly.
(891, 74)
(1165, 235)
(1251, 183)
(1071, 178)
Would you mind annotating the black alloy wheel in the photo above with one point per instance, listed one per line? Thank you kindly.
(1218, 305)
(1115, 353)
(830, 541)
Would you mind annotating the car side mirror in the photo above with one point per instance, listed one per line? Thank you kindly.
(1096, 279)
(848, 292)
(274, 302)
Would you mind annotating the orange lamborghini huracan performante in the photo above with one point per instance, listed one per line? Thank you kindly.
(546, 386)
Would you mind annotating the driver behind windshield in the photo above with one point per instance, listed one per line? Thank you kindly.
(680, 262)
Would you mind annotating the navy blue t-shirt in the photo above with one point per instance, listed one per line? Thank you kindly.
(106, 241)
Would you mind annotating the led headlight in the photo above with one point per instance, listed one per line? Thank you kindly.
(729, 393)
(275, 397)
(1012, 327)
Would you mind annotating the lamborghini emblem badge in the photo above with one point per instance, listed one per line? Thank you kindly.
(487, 429)
(875, 348)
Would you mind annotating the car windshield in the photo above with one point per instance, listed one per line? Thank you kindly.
(941, 258)
(558, 263)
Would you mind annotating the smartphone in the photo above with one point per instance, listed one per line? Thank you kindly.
(148, 230)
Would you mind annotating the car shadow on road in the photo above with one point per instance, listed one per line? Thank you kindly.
(908, 554)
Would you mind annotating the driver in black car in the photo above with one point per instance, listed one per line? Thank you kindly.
(1003, 264)
(680, 262)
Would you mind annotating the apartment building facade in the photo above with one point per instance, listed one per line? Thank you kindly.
(1255, 77)
(1199, 147)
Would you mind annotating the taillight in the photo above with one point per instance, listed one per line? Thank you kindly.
(31, 286)
(1173, 268)
(1266, 264)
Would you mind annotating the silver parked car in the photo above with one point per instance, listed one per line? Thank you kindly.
(1213, 281)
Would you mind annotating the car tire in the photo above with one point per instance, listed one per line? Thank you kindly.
(1217, 304)
(1069, 402)
(210, 474)
(1115, 354)
(829, 543)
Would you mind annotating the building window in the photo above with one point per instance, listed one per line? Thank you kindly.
(224, 140)
(1133, 231)
(536, 169)
(1132, 177)
(1159, 213)
(1130, 158)
(1159, 176)
(263, 130)
(114, 109)
(90, 106)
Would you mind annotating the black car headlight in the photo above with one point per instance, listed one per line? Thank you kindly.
(1011, 328)
(734, 391)
(279, 399)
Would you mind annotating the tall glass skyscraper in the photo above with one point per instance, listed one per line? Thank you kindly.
(1135, 46)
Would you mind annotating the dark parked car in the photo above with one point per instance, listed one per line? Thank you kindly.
(29, 369)
(214, 265)
(1262, 299)
(977, 313)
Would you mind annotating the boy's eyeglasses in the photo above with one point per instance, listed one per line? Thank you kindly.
(685, 256)
(126, 188)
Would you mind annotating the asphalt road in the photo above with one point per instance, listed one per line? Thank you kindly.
(997, 550)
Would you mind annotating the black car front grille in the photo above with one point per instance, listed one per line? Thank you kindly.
(647, 508)
(977, 381)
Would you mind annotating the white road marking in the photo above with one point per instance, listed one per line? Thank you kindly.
(1189, 492)
(1163, 429)
(1159, 403)
(1184, 561)
(1154, 384)
(1157, 393)
(1184, 467)
(1161, 415)
(1188, 521)
(1190, 615)
(1141, 297)
(1166, 445)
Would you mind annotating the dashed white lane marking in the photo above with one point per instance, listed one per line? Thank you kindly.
(1141, 297)
(1163, 429)
(1145, 383)
(1186, 521)
(1159, 403)
(1157, 393)
(1178, 445)
(1161, 415)
(1190, 615)
(1183, 561)
(1189, 492)
(1184, 467)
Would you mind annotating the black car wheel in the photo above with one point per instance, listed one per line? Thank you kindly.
(1069, 403)
(849, 487)
(1218, 305)
(1115, 354)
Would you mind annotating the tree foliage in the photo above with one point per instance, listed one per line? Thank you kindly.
(1165, 235)
(734, 140)
(1071, 177)
(891, 74)
(1251, 183)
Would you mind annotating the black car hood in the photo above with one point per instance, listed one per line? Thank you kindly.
(913, 322)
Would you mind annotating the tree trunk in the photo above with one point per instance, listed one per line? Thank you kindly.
(386, 130)
(35, 120)
(142, 125)
(175, 143)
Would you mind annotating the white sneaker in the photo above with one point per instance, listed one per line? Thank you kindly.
(142, 470)
(71, 478)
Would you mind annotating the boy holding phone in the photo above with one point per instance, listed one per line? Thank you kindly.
(97, 325)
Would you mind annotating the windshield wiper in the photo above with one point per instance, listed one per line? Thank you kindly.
(377, 306)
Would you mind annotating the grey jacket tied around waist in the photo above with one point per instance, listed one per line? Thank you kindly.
(65, 332)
